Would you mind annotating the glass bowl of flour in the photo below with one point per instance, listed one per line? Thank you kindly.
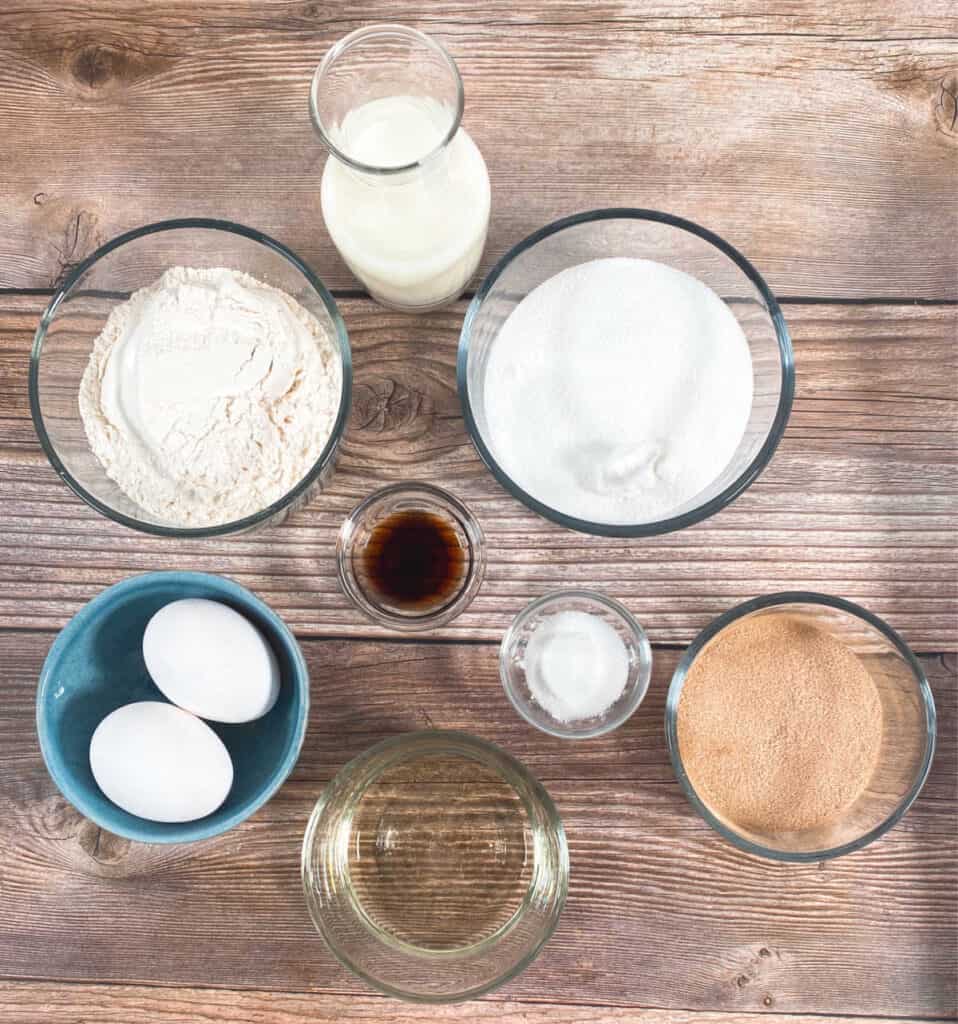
(625, 372)
(192, 378)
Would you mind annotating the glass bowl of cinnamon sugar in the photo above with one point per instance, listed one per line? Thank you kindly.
(800, 726)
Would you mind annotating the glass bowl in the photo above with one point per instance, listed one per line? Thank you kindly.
(513, 675)
(908, 729)
(642, 234)
(460, 532)
(435, 866)
(78, 311)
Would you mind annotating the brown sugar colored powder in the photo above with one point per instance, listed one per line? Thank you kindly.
(779, 725)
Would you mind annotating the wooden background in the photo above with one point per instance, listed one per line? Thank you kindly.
(822, 140)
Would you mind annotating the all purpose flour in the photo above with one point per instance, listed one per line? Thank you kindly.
(209, 395)
(617, 390)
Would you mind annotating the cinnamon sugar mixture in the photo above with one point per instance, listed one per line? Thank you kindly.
(779, 725)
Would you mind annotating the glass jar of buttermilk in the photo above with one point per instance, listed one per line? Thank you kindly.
(405, 191)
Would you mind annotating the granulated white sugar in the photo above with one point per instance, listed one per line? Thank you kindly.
(618, 390)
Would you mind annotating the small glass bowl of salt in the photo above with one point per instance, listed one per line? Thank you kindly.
(575, 664)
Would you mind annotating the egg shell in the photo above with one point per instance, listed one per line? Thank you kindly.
(160, 762)
(207, 658)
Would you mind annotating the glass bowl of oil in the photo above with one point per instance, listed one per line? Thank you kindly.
(435, 866)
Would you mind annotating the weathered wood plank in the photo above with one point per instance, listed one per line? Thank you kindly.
(820, 138)
(661, 912)
(859, 501)
(129, 1004)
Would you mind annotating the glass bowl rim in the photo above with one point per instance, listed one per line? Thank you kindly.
(438, 616)
(737, 486)
(341, 340)
(771, 601)
(491, 755)
(621, 612)
(341, 46)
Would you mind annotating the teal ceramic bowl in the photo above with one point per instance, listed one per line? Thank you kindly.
(96, 665)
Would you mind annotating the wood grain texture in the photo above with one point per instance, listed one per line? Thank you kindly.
(859, 500)
(661, 912)
(129, 1004)
(818, 137)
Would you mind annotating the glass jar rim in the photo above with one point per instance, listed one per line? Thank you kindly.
(339, 48)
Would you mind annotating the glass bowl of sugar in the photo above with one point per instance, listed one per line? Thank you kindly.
(575, 664)
(800, 726)
(625, 372)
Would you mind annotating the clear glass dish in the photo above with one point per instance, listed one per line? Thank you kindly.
(462, 529)
(908, 729)
(78, 311)
(641, 234)
(513, 675)
(435, 866)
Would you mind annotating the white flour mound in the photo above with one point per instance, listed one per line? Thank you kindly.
(617, 390)
(209, 395)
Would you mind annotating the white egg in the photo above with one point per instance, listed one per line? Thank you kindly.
(209, 659)
(160, 762)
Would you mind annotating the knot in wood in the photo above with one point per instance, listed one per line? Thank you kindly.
(80, 238)
(95, 65)
(946, 105)
(102, 847)
(386, 405)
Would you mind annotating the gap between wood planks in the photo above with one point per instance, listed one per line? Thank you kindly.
(467, 296)
(472, 1011)
(404, 640)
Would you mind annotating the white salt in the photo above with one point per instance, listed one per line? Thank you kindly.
(576, 665)
(618, 390)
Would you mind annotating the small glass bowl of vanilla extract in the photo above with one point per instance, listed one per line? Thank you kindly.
(411, 556)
